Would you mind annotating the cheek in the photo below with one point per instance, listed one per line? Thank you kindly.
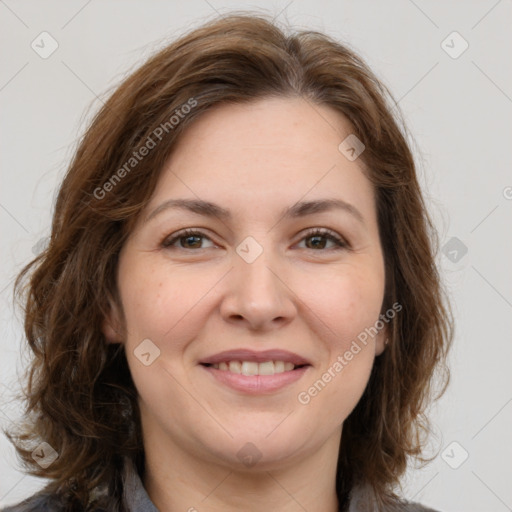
(348, 303)
(347, 307)
(358, 300)
(157, 305)
(164, 309)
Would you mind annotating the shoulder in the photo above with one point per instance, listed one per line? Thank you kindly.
(38, 503)
(127, 497)
(362, 499)
(49, 502)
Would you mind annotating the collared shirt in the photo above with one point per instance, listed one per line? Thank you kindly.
(136, 499)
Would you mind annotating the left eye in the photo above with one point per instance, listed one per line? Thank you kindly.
(318, 234)
(190, 239)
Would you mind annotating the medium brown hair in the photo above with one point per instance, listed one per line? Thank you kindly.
(79, 394)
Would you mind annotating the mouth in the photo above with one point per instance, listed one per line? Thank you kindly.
(255, 373)
(249, 368)
(250, 362)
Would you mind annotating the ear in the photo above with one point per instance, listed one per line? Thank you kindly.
(112, 325)
(382, 340)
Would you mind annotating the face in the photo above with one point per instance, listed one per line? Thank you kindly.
(263, 278)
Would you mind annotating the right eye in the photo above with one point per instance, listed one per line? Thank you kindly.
(188, 239)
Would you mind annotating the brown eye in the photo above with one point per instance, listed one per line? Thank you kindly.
(188, 239)
(320, 237)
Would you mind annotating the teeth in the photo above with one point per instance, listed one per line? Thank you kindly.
(253, 368)
(278, 366)
(249, 368)
(234, 366)
(266, 368)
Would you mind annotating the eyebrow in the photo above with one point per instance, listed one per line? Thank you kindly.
(300, 209)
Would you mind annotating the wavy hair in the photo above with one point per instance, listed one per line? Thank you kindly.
(78, 392)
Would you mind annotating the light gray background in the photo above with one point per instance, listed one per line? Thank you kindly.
(459, 111)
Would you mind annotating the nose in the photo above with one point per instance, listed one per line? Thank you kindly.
(257, 295)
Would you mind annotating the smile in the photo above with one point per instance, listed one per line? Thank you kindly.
(254, 368)
(254, 378)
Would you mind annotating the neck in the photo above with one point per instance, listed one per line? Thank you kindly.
(177, 481)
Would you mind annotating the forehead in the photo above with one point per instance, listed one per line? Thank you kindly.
(271, 151)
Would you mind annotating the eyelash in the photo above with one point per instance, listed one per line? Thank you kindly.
(323, 232)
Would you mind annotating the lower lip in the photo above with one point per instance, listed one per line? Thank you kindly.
(256, 384)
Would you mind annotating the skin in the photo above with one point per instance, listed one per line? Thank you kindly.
(199, 297)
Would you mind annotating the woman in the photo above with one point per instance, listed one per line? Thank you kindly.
(239, 306)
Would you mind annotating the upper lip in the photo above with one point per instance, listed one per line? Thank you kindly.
(259, 357)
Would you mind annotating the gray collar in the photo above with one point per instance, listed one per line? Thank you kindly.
(135, 497)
